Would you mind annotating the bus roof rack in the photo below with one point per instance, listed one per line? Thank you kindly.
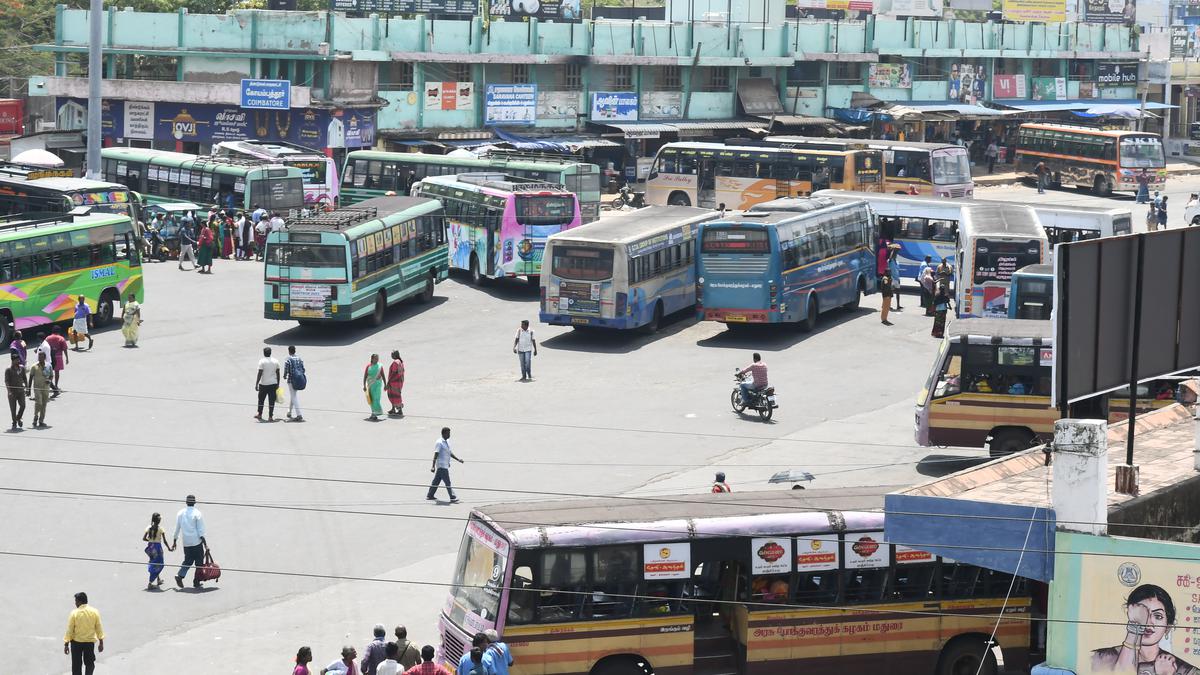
(530, 156)
(204, 161)
(510, 183)
(341, 219)
(17, 221)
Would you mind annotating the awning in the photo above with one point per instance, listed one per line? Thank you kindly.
(712, 125)
(961, 109)
(657, 128)
(797, 120)
(759, 96)
(641, 129)
(472, 143)
(1081, 104)
(417, 142)
(561, 144)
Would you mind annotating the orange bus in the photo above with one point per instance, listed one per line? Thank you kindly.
(750, 583)
(1101, 159)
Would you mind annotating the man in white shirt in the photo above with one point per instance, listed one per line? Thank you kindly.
(190, 523)
(390, 666)
(525, 347)
(441, 466)
(266, 384)
(276, 222)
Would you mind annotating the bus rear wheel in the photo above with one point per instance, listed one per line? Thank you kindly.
(968, 656)
(380, 309)
(7, 329)
(809, 322)
(656, 320)
(679, 199)
(476, 275)
(1101, 187)
(427, 294)
(858, 293)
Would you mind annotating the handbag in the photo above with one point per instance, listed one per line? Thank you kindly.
(209, 570)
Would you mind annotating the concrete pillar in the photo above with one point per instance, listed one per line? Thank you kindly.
(1080, 496)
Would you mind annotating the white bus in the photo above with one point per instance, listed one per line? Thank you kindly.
(319, 171)
(627, 271)
(994, 241)
(1065, 224)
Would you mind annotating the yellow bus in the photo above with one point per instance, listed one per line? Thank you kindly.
(781, 581)
(714, 176)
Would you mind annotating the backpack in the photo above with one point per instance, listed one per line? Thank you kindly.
(299, 379)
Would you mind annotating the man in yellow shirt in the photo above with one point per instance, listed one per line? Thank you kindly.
(83, 632)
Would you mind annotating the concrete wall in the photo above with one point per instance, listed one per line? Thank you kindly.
(205, 69)
(353, 82)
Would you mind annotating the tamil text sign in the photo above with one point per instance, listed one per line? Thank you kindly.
(510, 104)
(1109, 11)
(614, 106)
(446, 7)
(1044, 11)
(267, 94)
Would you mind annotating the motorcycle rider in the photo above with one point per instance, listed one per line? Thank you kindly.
(719, 485)
(758, 378)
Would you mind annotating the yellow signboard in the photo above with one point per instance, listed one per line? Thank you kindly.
(1044, 11)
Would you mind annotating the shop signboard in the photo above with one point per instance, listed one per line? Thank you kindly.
(1044, 11)
(890, 75)
(510, 104)
(1179, 41)
(449, 95)
(667, 561)
(966, 83)
(614, 106)
(267, 94)
(1008, 86)
(1049, 88)
(1117, 74)
(519, 10)
(444, 7)
(662, 104)
(1109, 11)
(139, 120)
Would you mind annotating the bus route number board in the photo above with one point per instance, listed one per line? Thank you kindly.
(309, 301)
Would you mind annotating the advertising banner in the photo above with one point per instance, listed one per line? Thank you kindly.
(510, 104)
(139, 120)
(662, 105)
(1117, 74)
(908, 556)
(893, 75)
(1049, 88)
(554, 10)
(1045, 11)
(449, 96)
(1179, 41)
(966, 83)
(867, 549)
(815, 554)
(1088, 90)
(614, 106)
(1009, 86)
(772, 555)
(1109, 11)
(267, 94)
(667, 561)
(446, 7)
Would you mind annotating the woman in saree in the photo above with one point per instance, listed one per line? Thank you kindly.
(155, 539)
(204, 256)
(226, 236)
(941, 304)
(373, 385)
(131, 321)
(395, 385)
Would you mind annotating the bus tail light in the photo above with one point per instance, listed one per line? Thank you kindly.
(774, 295)
(274, 291)
(699, 294)
(619, 309)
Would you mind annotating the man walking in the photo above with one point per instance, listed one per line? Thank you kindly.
(441, 466)
(266, 383)
(293, 373)
(84, 635)
(427, 666)
(37, 386)
(1042, 173)
(14, 383)
(375, 652)
(187, 243)
(409, 655)
(83, 317)
(525, 347)
(58, 356)
(990, 154)
(190, 522)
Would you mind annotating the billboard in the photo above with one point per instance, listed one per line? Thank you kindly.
(517, 10)
(966, 83)
(1117, 74)
(446, 7)
(667, 561)
(1045, 11)
(449, 95)
(510, 104)
(1009, 86)
(1049, 88)
(1109, 11)
(614, 106)
(1179, 41)
(891, 75)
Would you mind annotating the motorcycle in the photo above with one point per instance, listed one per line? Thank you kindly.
(626, 195)
(156, 249)
(761, 401)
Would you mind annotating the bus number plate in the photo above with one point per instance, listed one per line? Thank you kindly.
(580, 320)
(735, 318)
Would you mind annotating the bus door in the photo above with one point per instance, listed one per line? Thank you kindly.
(719, 587)
(492, 220)
(706, 186)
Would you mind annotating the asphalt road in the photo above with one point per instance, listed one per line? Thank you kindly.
(323, 527)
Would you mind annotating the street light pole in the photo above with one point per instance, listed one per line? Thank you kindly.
(95, 71)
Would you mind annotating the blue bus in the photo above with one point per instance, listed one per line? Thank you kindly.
(1031, 294)
(788, 265)
(627, 271)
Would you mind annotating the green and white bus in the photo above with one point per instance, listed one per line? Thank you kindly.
(353, 262)
(49, 193)
(226, 182)
(369, 173)
(47, 263)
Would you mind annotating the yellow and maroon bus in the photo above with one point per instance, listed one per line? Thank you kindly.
(1101, 159)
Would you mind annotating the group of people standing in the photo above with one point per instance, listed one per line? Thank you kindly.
(934, 283)
(225, 233)
(384, 657)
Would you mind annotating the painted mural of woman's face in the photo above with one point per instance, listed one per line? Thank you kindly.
(1152, 616)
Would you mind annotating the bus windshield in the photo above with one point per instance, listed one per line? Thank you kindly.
(478, 575)
(997, 260)
(730, 240)
(951, 167)
(307, 255)
(581, 263)
(545, 210)
(1141, 151)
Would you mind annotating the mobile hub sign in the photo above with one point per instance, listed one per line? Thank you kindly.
(267, 94)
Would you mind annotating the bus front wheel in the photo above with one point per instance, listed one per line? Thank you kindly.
(104, 309)
(967, 656)
(858, 293)
(1101, 187)
(7, 329)
(476, 274)
(1008, 441)
(809, 322)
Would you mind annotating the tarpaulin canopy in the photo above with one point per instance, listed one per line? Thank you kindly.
(1081, 104)
(962, 109)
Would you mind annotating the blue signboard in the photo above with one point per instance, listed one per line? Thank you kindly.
(614, 106)
(267, 94)
(510, 104)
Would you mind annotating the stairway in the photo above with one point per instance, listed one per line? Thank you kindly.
(715, 652)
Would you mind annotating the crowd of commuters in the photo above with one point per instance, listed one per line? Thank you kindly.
(488, 656)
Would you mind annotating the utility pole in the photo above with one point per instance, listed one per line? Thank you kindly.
(95, 71)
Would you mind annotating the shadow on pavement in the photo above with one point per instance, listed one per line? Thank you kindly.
(778, 337)
(610, 341)
(936, 466)
(516, 289)
(348, 333)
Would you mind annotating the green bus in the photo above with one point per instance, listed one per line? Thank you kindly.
(49, 192)
(356, 261)
(47, 263)
(226, 182)
(370, 173)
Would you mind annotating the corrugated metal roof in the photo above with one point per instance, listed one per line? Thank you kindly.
(793, 120)
(717, 124)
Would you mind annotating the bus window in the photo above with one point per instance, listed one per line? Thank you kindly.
(616, 581)
(912, 228)
(958, 581)
(522, 600)
(817, 588)
(771, 588)
(914, 582)
(563, 584)
(941, 230)
(865, 585)
(950, 380)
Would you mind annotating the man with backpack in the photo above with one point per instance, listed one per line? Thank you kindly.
(293, 373)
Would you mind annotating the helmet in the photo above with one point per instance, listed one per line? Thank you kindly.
(720, 476)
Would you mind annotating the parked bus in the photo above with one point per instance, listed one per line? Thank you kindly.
(497, 224)
(990, 386)
(785, 266)
(226, 182)
(319, 171)
(371, 173)
(1065, 224)
(46, 264)
(354, 262)
(31, 192)
(712, 175)
(994, 241)
(929, 169)
(782, 581)
(627, 271)
(1101, 159)
(1032, 293)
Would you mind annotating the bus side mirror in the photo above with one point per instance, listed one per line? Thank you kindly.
(652, 175)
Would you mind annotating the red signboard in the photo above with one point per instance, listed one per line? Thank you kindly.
(1008, 86)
